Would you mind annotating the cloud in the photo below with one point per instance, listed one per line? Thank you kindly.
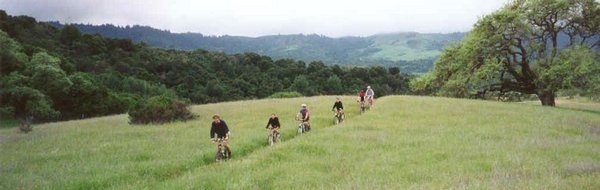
(263, 17)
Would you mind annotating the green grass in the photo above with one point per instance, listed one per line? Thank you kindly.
(403, 143)
(579, 104)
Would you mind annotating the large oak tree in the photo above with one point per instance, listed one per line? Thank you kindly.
(528, 46)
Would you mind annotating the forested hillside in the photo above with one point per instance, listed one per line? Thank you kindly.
(57, 74)
(411, 52)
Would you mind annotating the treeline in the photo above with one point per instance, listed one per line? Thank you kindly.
(307, 48)
(58, 74)
(346, 50)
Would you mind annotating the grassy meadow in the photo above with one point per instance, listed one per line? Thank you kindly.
(404, 142)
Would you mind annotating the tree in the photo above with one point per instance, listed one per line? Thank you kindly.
(11, 57)
(85, 96)
(215, 90)
(524, 47)
(302, 85)
(159, 109)
(47, 76)
(28, 102)
(31, 93)
(69, 34)
(334, 85)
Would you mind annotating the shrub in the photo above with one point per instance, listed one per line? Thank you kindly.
(25, 126)
(159, 110)
(286, 95)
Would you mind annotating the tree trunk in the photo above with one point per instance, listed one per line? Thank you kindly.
(547, 98)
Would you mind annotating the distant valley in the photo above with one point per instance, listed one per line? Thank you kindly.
(410, 51)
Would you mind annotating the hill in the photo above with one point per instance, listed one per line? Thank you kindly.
(60, 74)
(412, 52)
(403, 143)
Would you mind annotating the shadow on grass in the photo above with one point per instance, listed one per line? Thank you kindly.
(579, 109)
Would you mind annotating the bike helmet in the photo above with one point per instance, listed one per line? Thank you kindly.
(369, 87)
(303, 105)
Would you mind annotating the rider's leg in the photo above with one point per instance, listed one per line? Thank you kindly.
(226, 145)
(276, 130)
(307, 125)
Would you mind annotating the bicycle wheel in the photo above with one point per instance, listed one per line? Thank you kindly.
(227, 154)
(270, 140)
(218, 156)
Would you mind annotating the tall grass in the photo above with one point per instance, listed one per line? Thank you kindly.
(403, 142)
(107, 152)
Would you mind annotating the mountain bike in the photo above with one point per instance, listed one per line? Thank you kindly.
(274, 137)
(303, 127)
(338, 117)
(362, 107)
(223, 153)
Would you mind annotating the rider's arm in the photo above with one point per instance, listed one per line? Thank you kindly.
(341, 105)
(268, 122)
(226, 129)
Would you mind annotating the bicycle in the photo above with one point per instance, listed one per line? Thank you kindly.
(370, 101)
(362, 107)
(338, 117)
(303, 127)
(274, 137)
(223, 153)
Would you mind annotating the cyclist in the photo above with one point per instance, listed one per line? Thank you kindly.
(304, 115)
(361, 96)
(338, 107)
(219, 127)
(274, 122)
(370, 95)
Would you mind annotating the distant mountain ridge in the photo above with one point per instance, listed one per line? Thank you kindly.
(410, 51)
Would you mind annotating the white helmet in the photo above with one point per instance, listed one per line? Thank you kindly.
(303, 105)
(369, 87)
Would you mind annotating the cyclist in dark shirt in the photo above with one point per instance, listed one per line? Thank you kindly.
(338, 106)
(219, 127)
(274, 122)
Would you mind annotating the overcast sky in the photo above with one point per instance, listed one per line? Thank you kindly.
(263, 17)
